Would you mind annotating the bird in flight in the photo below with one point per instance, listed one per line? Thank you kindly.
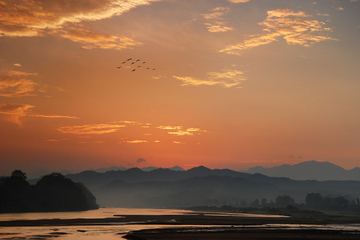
(132, 62)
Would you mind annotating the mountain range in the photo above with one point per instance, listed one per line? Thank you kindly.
(310, 170)
(40, 173)
(166, 188)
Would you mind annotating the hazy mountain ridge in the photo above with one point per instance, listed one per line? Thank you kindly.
(310, 170)
(40, 173)
(200, 186)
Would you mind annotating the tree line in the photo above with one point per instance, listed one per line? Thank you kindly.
(52, 193)
(314, 201)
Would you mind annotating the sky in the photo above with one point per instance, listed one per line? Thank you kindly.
(233, 84)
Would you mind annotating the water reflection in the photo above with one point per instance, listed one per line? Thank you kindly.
(98, 213)
(112, 231)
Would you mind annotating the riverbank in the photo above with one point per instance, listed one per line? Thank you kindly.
(209, 225)
(243, 233)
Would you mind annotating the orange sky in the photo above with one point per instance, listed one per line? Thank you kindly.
(224, 84)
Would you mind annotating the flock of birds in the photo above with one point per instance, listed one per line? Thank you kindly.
(135, 62)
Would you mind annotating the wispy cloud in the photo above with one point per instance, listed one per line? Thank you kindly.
(91, 39)
(51, 116)
(14, 112)
(227, 78)
(16, 86)
(216, 22)
(19, 74)
(239, 1)
(136, 141)
(297, 28)
(216, 13)
(93, 128)
(26, 18)
(114, 127)
(218, 27)
(178, 130)
(170, 127)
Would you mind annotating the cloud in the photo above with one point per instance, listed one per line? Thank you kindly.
(179, 132)
(91, 39)
(15, 86)
(19, 74)
(27, 18)
(218, 27)
(239, 1)
(251, 43)
(295, 27)
(140, 160)
(136, 141)
(216, 13)
(92, 128)
(227, 78)
(113, 127)
(52, 116)
(17, 65)
(216, 24)
(14, 112)
(170, 127)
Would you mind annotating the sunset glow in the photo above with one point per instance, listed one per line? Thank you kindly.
(224, 84)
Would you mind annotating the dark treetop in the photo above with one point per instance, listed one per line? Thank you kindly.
(52, 193)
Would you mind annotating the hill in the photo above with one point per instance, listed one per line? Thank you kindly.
(165, 188)
(310, 170)
(52, 193)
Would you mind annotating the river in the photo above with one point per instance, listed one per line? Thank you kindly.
(112, 231)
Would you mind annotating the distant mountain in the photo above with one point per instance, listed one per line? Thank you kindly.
(148, 169)
(201, 186)
(310, 170)
(93, 179)
(40, 173)
(175, 168)
(113, 168)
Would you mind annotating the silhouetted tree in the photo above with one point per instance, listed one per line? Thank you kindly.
(255, 203)
(53, 192)
(263, 202)
(284, 201)
(58, 193)
(14, 190)
(314, 200)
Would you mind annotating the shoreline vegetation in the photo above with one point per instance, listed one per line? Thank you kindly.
(52, 193)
